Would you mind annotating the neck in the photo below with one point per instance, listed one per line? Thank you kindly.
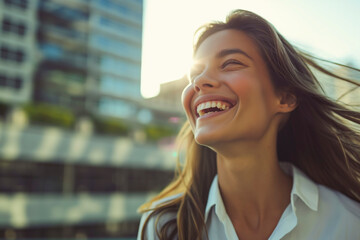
(251, 182)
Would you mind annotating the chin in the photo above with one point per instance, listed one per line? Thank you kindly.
(205, 139)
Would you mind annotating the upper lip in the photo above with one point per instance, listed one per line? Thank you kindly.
(206, 98)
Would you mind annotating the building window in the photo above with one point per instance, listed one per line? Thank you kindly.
(2, 80)
(5, 53)
(119, 87)
(10, 26)
(22, 4)
(12, 55)
(57, 52)
(120, 67)
(19, 56)
(21, 29)
(117, 47)
(120, 8)
(116, 27)
(57, 11)
(15, 83)
(115, 107)
(6, 25)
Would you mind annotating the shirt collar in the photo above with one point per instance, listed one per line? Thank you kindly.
(214, 199)
(303, 188)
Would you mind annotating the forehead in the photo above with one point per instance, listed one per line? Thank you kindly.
(227, 39)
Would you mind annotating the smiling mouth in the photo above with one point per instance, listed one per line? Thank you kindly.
(212, 107)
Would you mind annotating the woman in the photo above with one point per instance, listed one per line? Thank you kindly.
(268, 155)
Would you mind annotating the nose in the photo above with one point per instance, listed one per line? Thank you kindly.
(204, 81)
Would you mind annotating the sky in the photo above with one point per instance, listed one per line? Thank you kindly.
(326, 28)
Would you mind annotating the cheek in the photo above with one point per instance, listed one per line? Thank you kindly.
(243, 88)
(252, 97)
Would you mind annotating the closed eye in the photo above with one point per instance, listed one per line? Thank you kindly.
(231, 62)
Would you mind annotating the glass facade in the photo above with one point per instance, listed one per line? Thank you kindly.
(86, 57)
(121, 9)
(116, 107)
(118, 47)
(121, 29)
(120, 67)
(100, 40)
(22, 4)
(115, 86)
(57, 52)
(115, 40)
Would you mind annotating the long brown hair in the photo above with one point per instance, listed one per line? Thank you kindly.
(321, 137)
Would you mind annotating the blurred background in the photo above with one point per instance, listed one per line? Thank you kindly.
(80, 148)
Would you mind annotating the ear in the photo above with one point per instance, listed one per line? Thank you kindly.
(287, 102)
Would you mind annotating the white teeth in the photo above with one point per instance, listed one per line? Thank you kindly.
(211, 104)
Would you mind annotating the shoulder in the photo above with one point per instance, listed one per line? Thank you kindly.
(155, 222)
(166, 199)
(335, 217)
(327, 203)
(334, 201)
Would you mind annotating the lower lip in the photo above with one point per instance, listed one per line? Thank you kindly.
(214, 114)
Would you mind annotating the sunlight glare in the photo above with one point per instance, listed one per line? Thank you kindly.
(169, 26)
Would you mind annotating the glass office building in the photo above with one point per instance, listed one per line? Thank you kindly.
(91, 56)
(83, 55)
(18, 24)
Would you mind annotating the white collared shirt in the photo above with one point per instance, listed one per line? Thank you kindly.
(314, 213)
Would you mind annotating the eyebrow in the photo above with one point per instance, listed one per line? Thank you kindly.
(226, 52)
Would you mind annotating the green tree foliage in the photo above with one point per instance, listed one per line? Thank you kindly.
(156, 132)
(47, 114)
(111, 126)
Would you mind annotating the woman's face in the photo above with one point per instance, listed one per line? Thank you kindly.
(230, 96)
